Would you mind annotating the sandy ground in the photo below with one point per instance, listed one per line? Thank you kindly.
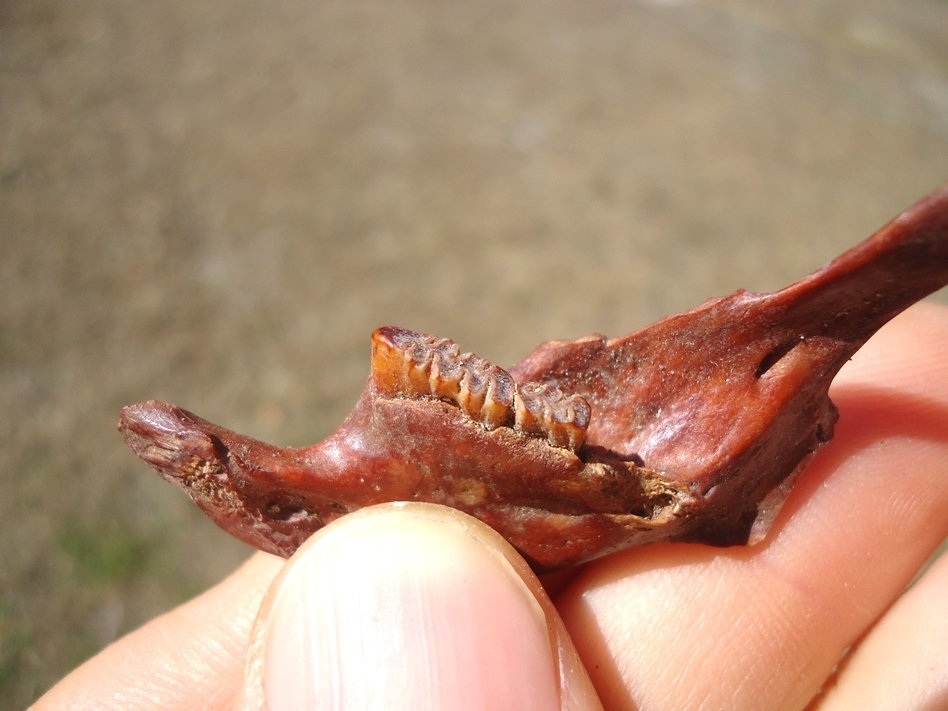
(215, 203)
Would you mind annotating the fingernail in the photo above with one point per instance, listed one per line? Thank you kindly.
(405, 609)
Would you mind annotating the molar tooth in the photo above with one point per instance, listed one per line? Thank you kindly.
(529, 407)
(569, 423)
(486, 392)
(394, 371)
(497, 410)
(473, 389)
(544, 410)
(446, 373)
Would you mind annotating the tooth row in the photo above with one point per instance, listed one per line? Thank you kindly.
(409, 364)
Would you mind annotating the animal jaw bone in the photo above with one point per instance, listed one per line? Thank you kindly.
(692, 429)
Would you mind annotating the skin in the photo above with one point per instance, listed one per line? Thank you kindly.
(422, 607)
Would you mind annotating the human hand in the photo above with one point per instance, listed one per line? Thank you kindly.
(422, 607)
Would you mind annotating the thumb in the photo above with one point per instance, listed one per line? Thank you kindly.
(411, 606)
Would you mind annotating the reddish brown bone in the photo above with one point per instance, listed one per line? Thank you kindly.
(692, 429)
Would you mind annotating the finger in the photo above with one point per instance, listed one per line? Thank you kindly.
(411, 606)
(190, 658)
(683, 626)
(903, 661)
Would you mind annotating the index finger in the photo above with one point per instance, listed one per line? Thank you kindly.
(687, 626)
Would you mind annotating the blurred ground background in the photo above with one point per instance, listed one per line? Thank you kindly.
(215, 203)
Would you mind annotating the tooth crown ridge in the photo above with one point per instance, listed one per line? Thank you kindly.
(413, 365)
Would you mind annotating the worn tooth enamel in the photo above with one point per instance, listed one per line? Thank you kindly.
(497, 410)
(417, 370)
(473, 388)
(391, 370)
(408, 364)
(570, 420)
(438, 381)
(542, 409)
(528, 408)
(453, 370)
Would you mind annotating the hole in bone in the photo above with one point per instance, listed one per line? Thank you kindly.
(776, 355)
